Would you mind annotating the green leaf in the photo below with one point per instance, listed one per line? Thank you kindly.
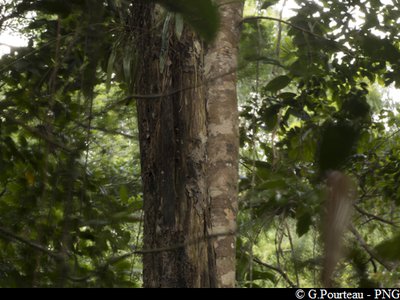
(164, 43)
(110, 67)
(178, 26)
(268, 3)
(389, 249)
(303, 224)
(270, 116)
(127, 64)
(202, 15)
(287, 96)
(263, 275)
(337, 144)
(123, 193)
(278, 83)
(272, 184)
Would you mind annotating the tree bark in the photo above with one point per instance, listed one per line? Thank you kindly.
(173, 135)
(223, 138)
(189, 150)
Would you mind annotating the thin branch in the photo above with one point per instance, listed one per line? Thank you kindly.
(230, 2)
(3, 192)
(158, 96)
(384, 141)
(255, 18)
(34, 51)
(279, 38)
(370, 251)
(336, 44)
(105, 130)
(296, 271)
(182, 245)
(8, 235)
(6, 45)
(5, 104)
(116, 259)
(36, 132)
(276, 269)
(374, 217)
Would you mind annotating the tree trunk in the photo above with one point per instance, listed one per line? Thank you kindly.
(189, 150)
(173, 135)
(223, 138)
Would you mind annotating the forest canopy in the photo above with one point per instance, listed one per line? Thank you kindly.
(317, 96)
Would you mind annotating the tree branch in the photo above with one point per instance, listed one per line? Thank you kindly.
(255, 18)
(336, 44)
(374, 217)
(181, 245)
(36, 132)
(6, 45)
(105, 130)
(8, 235)
(158, 96)
(113, 260)
(276, 269)
(5, 104)
(370, 251)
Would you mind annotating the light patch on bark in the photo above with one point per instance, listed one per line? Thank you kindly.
(223, 138)
(224, 127)
(227, 278)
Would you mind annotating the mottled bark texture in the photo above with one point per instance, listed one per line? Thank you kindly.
(223, 137)
(173, 136)
(189, 149)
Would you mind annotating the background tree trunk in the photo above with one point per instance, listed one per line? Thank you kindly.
(173, 137)
(223, 138)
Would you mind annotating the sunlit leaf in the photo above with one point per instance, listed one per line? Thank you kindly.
(110, 67)
(123, 193)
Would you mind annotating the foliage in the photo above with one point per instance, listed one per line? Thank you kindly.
(312, 114)
(310, 89)
(70, 193)
(202, 15)
(69, 175)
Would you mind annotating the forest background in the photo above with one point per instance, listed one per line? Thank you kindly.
(316, 87)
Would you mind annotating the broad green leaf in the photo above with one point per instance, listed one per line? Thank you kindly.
(303, 224)
(270, 116)
(127, 64)
(178, 26)
(268, 3)
(123, 193)
(164, 43)
(272, 184)
(202, 15)
(287, 96)
(298, 113)
(262, 275)
(337, 143)
(389, 249)
(110, 67)
(278, 83)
